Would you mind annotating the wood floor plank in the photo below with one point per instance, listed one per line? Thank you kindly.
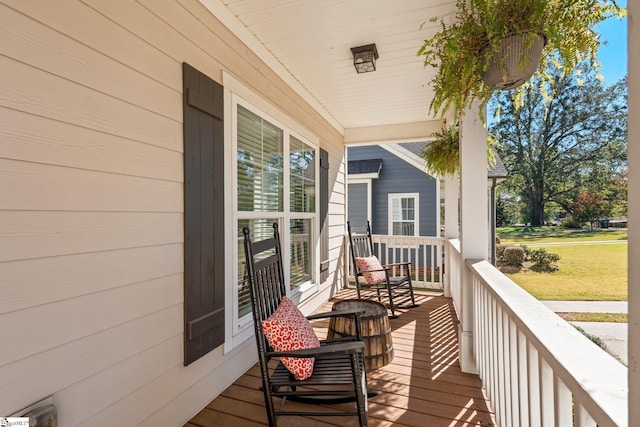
(422, 385)
(212, 418)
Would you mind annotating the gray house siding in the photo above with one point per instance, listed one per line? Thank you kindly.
(357, 201)
(396, 176)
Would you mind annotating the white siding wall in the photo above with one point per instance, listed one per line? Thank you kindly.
(91, 205)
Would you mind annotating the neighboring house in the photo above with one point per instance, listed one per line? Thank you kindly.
(389, 186)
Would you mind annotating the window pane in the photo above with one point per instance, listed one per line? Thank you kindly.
(260, 229)
(302, 176)
(395, 209)
(260, 164)
(403, 228)
(300, 252)
(408, 210)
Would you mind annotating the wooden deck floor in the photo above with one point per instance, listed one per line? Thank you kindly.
(422, 386)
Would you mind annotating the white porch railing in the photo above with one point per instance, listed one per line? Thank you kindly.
(426, 255)
(537, 369)
(453, 270)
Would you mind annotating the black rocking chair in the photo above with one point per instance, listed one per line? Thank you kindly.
(396, 281)
(338, 374)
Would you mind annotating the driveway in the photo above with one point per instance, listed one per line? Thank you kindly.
(614, 335)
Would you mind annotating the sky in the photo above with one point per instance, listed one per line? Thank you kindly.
(613, 53)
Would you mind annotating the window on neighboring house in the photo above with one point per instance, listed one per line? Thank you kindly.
(275, 187)
(403, 214)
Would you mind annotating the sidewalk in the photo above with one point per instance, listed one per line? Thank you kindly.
(614, 335)
(587, 306)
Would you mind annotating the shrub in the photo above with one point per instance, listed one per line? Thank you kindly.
(543, 259)
(500, 251)
(571, 223)
(513, 255)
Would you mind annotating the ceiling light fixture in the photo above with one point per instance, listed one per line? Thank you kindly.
(364, 58)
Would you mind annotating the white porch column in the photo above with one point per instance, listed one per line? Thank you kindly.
(451, 221)
(634, 211)
(474, 233)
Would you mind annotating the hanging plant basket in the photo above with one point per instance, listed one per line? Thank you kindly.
(514, 62)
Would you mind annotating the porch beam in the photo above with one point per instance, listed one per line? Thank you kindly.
(396, 133)
(474, 232)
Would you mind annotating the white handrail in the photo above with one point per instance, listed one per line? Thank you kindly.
(537, 369)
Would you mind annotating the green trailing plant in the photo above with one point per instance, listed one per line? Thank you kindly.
(460, 49)
(442, 152)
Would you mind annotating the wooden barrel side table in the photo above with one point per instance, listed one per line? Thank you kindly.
(376, 330)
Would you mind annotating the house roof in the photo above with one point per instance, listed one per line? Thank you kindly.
(356, 167)
(497, 171)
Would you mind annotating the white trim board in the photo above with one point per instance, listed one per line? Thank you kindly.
(353, 177)
(409, 157)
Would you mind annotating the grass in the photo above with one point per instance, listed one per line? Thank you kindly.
(554, 234)
(595, 317)
(596, 272)
(524, 229)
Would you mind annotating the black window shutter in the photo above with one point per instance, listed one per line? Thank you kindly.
(203, 111)
(324, 218)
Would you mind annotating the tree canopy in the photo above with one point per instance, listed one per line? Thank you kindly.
(559, 138)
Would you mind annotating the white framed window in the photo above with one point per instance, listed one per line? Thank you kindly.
(274, 179)
(403, 214)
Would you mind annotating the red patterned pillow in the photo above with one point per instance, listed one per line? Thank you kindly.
(372, 263)
(288, 329)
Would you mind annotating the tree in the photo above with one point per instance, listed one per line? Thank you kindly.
(618, 194)
(558, 138)
(508, 207)
(589, 207)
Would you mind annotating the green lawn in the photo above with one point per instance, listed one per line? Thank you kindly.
(586, 272)
(554, 234)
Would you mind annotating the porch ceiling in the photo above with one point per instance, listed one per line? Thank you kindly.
(311, 40)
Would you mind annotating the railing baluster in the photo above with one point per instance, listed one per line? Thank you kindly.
(523, 397)
(583, 419)
(425, 262)
(547, 399)
(502, 380)
(562, 403)
(534, 385)
(513, 373)
(493, 352)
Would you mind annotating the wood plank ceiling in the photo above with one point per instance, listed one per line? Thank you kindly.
(311, 39)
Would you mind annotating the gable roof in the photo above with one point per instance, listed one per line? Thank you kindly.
(497, 171)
